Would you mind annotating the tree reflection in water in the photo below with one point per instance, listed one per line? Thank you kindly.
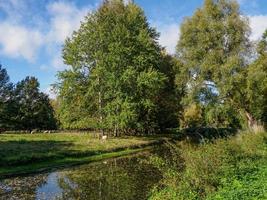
(121, 178)
(22, 187)
(124, 178)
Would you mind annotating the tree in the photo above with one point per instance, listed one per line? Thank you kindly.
(257, 83)
(6, 114)
(169, 97)
(192, 116)
(214, 46)
(114, 80)
(34, 110)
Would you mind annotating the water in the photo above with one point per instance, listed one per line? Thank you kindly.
(127, 178)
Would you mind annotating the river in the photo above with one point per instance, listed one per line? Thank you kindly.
(125, 178)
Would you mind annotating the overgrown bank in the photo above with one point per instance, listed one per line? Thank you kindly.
(233, 168)
(27, 153)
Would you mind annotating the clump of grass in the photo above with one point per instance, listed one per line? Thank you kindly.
(257, 128)
(233, 168)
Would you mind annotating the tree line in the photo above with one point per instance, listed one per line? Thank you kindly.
(23, 106)
(121, 81)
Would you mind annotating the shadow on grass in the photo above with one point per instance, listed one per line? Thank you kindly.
(201, 134)
(15, 153)
(24, 152)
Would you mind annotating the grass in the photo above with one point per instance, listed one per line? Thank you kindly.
(27, 153)
(233, 168)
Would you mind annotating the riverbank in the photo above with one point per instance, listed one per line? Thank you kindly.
(31, 153)
(230, 168)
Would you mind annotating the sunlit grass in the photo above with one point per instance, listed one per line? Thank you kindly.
(31, 150)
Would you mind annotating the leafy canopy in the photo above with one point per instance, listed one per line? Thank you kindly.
(114, 77)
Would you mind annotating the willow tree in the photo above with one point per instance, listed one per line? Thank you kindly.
(214, 46)
(114, 76)
(257, 83)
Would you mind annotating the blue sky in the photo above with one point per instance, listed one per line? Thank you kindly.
(32, 32)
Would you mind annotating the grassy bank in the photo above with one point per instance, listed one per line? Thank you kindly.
(233, 168)
(27, 153)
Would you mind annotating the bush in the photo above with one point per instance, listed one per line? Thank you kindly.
(233, 168)
(192, 116)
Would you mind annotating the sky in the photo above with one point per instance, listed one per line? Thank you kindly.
(32, 32)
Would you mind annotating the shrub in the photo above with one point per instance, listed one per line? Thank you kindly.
(192, 116)
(233, 168)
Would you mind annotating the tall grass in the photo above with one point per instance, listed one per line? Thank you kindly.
(257, 128)
(233, 168)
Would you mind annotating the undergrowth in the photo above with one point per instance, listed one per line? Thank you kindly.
(232, 168)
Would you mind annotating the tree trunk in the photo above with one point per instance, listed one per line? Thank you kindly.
(250, 119)
(115, 131)
(100, 108)
(116, 123)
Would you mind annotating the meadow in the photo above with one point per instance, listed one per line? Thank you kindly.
(25, 153)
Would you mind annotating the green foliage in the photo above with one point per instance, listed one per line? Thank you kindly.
(257, 83)
(213, 47)
(23, 106)
(192, 116)
(169, 97)
(34, 110)
(262, 45)
(249, 184)
(6, 101)
(223, 115)
(121, 80)
(114, 78)
(233, 168)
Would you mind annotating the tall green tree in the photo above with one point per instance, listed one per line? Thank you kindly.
(257, 83)
(6, 89)
(214, 47)
(169, 97)
(34, 110)
(115, 77)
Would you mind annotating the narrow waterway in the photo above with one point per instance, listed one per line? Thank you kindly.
(126, 178)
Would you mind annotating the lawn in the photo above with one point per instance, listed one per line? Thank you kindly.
(26, 153)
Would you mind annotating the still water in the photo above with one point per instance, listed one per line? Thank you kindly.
(127, 178)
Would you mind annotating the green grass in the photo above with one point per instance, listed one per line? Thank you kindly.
(233, 168)
(27, 153)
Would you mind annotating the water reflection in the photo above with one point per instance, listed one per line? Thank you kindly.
(122, 178)
(21, 187)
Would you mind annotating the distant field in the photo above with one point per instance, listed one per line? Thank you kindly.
(22, 153)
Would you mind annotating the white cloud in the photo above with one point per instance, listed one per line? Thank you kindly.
(13, 9)
(19, 41)
(258, 24)
(57, 62)
(66, 18)
(24, 41)
(169, 35)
